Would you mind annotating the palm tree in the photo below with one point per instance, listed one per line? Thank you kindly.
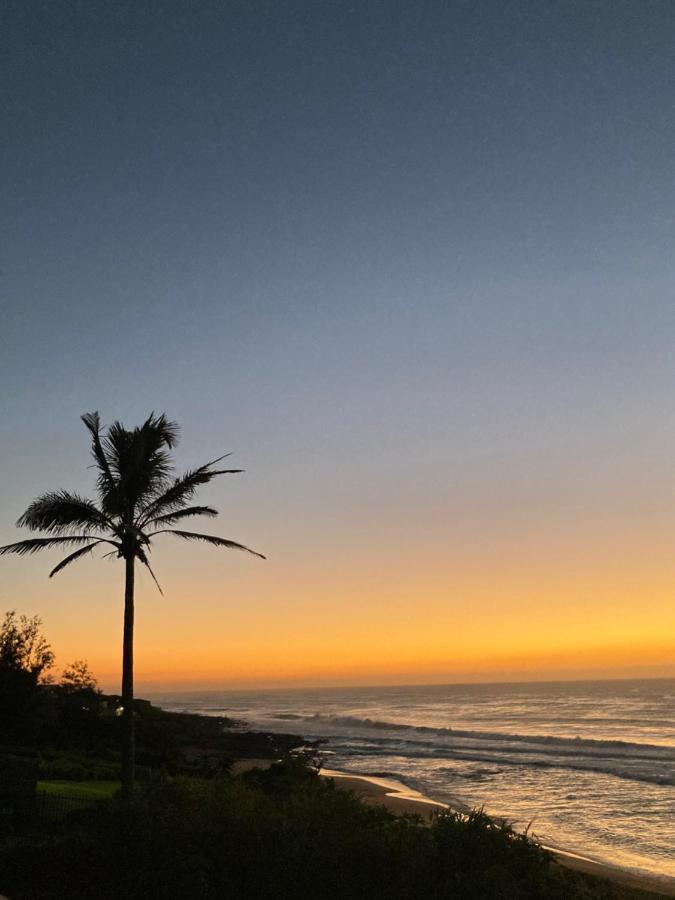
(138, 498)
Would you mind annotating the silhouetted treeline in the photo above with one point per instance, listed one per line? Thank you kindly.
(75, 735)
(73, 730)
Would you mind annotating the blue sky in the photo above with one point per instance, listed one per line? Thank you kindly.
(423, 250)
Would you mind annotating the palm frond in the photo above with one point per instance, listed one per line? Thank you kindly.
(59, 512)
(146, 562)
(73, 556)
(208, 538)
(170, 518)
(106, 483)
(139, 459)
(183, 488)
(34, 545)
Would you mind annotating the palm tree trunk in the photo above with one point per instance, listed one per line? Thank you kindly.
(128, 739)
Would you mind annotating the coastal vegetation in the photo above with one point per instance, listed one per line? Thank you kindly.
(70, 731)
(283, 833)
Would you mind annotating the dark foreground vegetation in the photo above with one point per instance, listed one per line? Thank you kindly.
(285, 833)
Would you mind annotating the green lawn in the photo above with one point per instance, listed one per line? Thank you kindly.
(80, 790)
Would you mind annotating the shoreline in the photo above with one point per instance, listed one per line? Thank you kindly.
(402, 800)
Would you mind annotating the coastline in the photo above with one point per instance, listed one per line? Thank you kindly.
(396, 796)
(402, 800)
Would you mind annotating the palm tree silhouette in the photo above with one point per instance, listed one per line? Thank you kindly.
(138, 497)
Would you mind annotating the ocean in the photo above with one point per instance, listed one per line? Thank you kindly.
(588, 766)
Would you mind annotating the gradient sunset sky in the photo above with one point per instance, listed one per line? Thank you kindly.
(413, 263)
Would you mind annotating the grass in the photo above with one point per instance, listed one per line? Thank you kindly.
(80, 790)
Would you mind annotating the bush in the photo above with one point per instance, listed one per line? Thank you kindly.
(62, 766)
(63, 770)
(282, 834)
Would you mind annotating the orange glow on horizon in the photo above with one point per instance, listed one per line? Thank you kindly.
(620, 661)
(395, 600)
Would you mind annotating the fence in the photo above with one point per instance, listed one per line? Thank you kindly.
(57, 807)
(18, 779)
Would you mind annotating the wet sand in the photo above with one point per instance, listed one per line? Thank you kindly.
(395, 796)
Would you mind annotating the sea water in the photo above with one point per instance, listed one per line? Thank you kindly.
(588, 766)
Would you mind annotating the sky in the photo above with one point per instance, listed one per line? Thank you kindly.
(412, 263)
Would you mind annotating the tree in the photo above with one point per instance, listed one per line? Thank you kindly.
(25, 659)
(78, 677)
(138, 498)
(79, 703)
(23, 647)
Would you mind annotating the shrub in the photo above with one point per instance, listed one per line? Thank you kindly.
(282, 834)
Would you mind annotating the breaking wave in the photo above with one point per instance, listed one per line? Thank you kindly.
(650, 763)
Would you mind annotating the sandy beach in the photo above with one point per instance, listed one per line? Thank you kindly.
(402, 800)
(397, 797)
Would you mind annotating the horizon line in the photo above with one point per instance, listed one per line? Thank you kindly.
(391, 686)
